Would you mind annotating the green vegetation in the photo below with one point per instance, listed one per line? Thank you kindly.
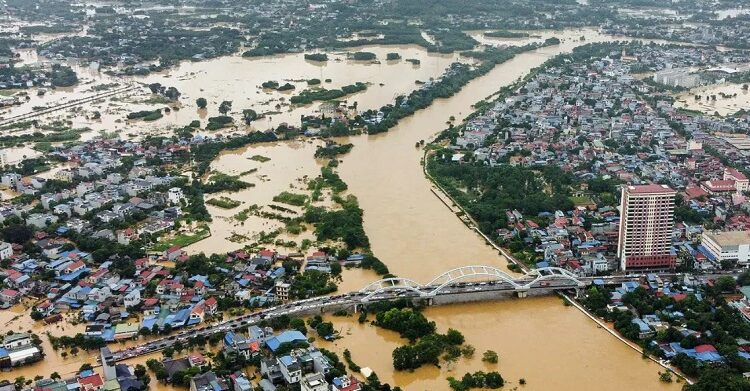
(426, 346)
(218, 182)
(260, 158)
(63, 76)
(219, 122)
(202, 103)
(410, 324)
(392, 56)
(717, 323)
(245, 213)
(491, 380)
(224, 202)
(309, 96)
(332, 150)
(270, 85)
(312, 283)
(204, 154)
(291, 198)
(505, 34)
(249, 115)
(183, 239)
(146, 115)
(343, 224)
(363, 56)
(487, 192)
(490, 356)
(316, 57)
(313, 82)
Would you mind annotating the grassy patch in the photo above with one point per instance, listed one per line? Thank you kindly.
(224, 202)
(248, 172)
(260, 158)
(581, 200)
(290, 198)
(183, 240)
(245, 213)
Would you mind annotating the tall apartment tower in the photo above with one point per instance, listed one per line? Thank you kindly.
(646, 222)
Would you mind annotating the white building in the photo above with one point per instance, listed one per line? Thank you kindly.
(729, 246)
(175, 195)
(6, 250)
(313, 382)
(282, 291)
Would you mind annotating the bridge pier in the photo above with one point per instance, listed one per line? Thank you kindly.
(522, 293)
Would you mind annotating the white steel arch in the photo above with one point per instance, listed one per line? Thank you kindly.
(550, 273)
(390, 284)
(465, 272)
(527, 281)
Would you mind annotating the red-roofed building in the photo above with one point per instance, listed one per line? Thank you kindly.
(692, 192)
(74, 267)
(9, 296)
(740, 180)
(91, 383)
(719, 186)
(705, 348)
(211, 305)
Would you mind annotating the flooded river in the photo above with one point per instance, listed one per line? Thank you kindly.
(551, 346)
(417, 236)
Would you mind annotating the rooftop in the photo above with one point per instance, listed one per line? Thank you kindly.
(729, 238)
(647, 189)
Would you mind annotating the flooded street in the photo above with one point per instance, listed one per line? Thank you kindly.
(735, 98)
(289, 163)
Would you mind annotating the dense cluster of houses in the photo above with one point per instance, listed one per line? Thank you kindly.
(649, 324)
(594, 120)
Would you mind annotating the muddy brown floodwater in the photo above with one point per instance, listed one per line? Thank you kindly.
(539, 339)
(551, 346)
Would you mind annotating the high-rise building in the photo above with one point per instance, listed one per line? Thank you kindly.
(646, 222)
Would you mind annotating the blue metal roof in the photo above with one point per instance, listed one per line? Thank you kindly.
(285, 337)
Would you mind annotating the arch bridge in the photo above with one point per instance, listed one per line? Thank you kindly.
(488, 278)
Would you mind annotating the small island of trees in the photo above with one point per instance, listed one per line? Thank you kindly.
(316, 57)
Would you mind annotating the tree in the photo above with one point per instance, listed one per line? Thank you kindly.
(490, 356)
(720, 378)
(225, 107)
(298, 324)
(324, 329)
(493, 380)
(249, 115)
(726, 284)
(17, 233)
(468, 351)
(454, 337)
(202, 103)
(139, 371)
